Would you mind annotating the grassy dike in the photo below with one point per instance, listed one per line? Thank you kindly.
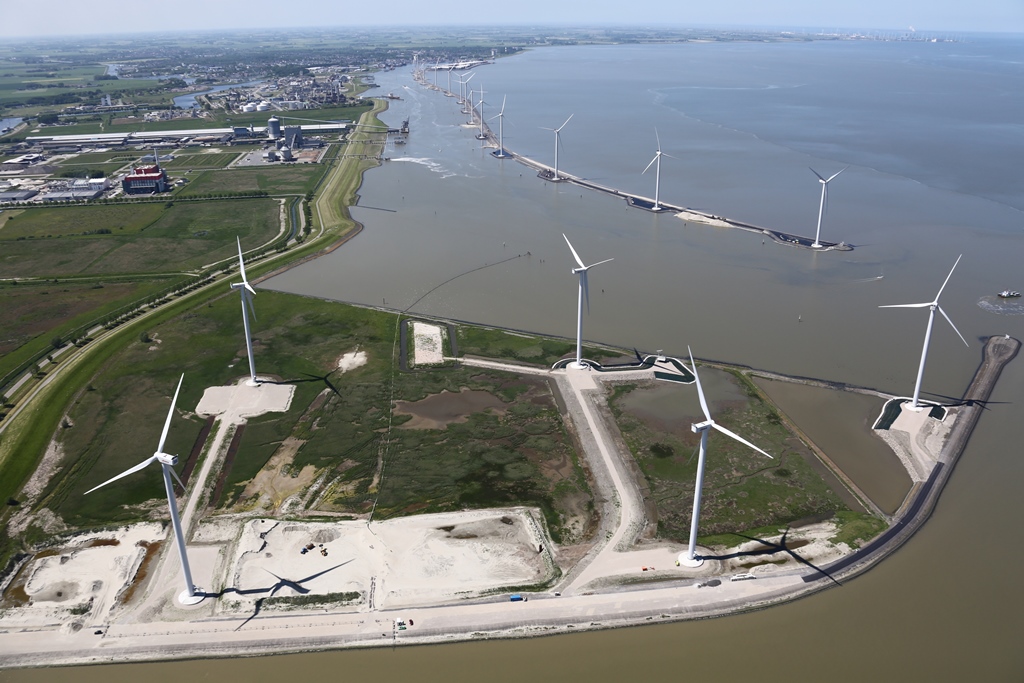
(27, 435)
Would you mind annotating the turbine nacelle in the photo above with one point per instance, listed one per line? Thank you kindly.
(166, 459)
(702, 426)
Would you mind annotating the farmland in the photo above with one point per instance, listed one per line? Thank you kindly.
(143, 238)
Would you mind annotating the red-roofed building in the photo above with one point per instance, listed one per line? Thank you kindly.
(145, 180)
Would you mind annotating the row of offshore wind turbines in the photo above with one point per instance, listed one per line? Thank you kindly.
(476, 112)
(469, 107)
(193, 595)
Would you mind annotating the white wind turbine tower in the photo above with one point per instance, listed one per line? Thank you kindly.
(558, 143)
(824, 202)
(584, 293)
(481, 135)
(501, 154)
(470, 107)
(464, 101)
(656, 161)
(247, 293)
(932, 306)
(690, 558)
(191, 595)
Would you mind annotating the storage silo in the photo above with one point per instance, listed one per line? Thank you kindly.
(274, 128)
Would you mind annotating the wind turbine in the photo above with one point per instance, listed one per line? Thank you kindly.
(190, 596)
(824, 202)
(584, 293)
(690, 558)
(501, 154)
(247, 293)
(558, 143)
(656, 161)
(481, 135)
(465, 104)
(932, 306)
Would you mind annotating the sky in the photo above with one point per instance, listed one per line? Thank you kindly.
(75, 17)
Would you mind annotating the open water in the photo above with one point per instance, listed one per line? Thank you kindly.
(933, 135)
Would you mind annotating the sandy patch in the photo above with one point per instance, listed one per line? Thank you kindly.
(243, 401)
(698, 218)
(351, 360)
(428, 344)
(408, 561)
(275, 483)
(81, 579)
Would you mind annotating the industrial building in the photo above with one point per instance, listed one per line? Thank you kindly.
(293, 136)
(272, 131)
(145, 180)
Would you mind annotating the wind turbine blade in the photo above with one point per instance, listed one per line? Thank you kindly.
(908, 305)
(599, 263)
(658, 138)
(142, 465)
(952, 325)
(470, 77)
(574, 254)
(250, 289)
(248, 301)
(947, 278)
(566, 122)
(833, 176)
(170, 414)
(817, 174)
(700, 390)
(175, 475)
(586, 288)
(503, 105)
(739, 438)
(241, 261)
(650, 164)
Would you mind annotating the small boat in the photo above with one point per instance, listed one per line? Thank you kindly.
(1008, 294)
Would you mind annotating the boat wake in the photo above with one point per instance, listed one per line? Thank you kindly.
(1001, 306)
(432, 165)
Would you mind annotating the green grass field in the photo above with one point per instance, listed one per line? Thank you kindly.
(743, 490)
(201, 160)
(522, 457)
(144, 238)
(276, 180)
(113, 156)
(42, 309)
(65, 221)
(494, 343)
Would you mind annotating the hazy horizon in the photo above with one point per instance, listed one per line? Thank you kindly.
(70, 18)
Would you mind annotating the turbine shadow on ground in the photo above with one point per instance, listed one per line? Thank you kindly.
(771, 549)
(326, 379)
(281, 583)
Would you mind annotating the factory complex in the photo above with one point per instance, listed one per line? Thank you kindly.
(238, 135)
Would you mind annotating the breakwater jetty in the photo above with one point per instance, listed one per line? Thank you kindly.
(998, 351)
(637, 201)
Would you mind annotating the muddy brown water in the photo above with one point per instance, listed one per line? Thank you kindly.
(839, 423)
(439, 410)
(674, 407)
(948, 606)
